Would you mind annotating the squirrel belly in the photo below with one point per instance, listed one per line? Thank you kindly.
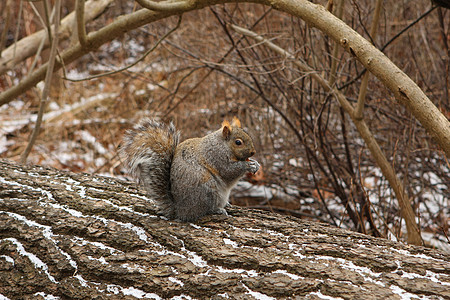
(196, 187)
(192, 179)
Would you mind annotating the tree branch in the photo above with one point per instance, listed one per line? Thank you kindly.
(47, 27)
(363, 89)
(7, 23)
(81, 28)
(168, 6)
(48, 79)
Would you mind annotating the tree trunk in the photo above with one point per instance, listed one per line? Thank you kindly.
(76, 236)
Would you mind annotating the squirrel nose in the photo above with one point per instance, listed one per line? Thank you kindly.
(252, 153)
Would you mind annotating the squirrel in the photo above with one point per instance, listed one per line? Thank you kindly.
(191, 179)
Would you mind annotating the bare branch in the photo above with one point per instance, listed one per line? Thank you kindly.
(340, 12)
(363, 89)
(16, 34)
(80, 23)
(7, 23)
(44, 38)
(48, 79)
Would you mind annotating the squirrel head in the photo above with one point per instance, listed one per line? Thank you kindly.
(238, 140)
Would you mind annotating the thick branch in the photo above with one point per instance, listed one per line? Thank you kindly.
(168, 6)
(81, 28)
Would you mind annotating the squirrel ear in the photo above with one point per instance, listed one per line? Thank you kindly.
(226, 129)
(236, 122)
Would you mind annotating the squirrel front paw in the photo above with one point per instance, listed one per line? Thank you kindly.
(253, 165)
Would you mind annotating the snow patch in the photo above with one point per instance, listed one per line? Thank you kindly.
(175, 280)
(46, 296)
(39, 264)
(230, 242)
(8, 259)
(131, 291)
(402, 293)
(407, 253)
(322, 296)
(46, 232)
(292, 276)
(82, 281)
(257, 295)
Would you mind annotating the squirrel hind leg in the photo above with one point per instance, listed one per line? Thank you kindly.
(191, 212)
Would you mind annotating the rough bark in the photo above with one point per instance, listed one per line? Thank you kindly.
(81, 236)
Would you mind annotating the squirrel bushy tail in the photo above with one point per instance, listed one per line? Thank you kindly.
(149, 150)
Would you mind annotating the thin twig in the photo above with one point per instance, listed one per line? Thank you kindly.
(46, 90)
(7, 22)
(365, 81)
(445, 59)
(47, 21)
(407, 27)
(16, 35)
(333, 76)
(350, 82)
(42, 43)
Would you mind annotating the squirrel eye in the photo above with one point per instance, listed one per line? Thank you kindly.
(238, 142)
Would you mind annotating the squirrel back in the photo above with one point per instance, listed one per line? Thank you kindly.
(194, 178)
(149, 150)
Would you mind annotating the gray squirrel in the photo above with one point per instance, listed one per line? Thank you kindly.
(191, 179)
